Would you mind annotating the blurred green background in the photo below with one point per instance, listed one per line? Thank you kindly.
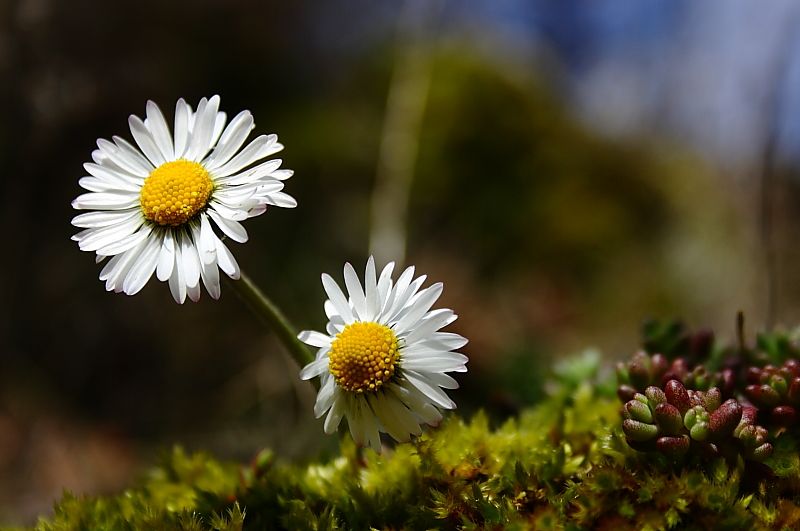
(567, 169)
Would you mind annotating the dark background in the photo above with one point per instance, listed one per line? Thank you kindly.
(575, 167)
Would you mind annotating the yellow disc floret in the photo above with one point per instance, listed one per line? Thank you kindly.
(363, 356)
(175, 191)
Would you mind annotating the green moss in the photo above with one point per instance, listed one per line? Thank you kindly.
(562, 464)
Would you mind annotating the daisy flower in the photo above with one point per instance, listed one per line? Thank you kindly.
(382, 362)
(160, 207)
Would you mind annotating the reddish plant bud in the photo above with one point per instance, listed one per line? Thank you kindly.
(711, 399)
(638, 411)
(677, 371)
(768, 396)
(677, 395)
(762, 452)
(762, 395)
(673, 446)
(725, 419)
(626, 392)
(639, 370)
(659, 364)
(669, 419)
(727, 382)
(655, 395)
(639, 431)
(793, 366)
(793, 394)
(784, 416)
(749, 415)
(753, 375)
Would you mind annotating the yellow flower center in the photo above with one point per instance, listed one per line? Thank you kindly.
(363, 356)
(175, 191)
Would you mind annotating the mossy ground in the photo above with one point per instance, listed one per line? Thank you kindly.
(562, 464)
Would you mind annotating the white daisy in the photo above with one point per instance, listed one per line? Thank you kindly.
(383, 361)
(155, 207)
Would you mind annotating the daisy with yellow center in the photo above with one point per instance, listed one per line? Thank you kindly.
(383, 360)
(157, 208)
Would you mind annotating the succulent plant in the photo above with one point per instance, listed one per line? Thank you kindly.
(645, 370)
(775, 391)
(676, 420)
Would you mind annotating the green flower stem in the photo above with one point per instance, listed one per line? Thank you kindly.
(271, 315)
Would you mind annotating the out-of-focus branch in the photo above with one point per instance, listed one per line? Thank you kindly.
(773, 103)
(405, 108)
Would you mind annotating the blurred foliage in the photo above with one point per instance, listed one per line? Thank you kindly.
(562, 464)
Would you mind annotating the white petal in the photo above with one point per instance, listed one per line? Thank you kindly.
(354, 290)
(203, 129)
(231, 140)
(324, 398)
(189, 261)
(236, 212)
(141, 272)
(117, 274)
(402, 303)
(264, 170)
(106, 201)
(219, 125)
(182, 115)
(226, 260)
(193, 292)
(96, 239)
(93, 184)
(315, 339)
(160, 132)
(442, 380)
(431, 323)
(395, 417)
(207, 241)
(166, 258)
(315, 368)
(104, 218)
(128, 242)
(145, 141)
(233, 229)
(209, 273)
(256, 150)
(422, 304)
(385, 285)
(282, 175)
(177, 286)
(371, 290)
(111, 266)
(280, 199)
(108, 174)
(444, 341)
(334, 415)
(416, 402)
(337, 297)
(454, 362)
(131, 162)
(432, 392)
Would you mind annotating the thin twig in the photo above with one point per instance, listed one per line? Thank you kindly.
(405, 107)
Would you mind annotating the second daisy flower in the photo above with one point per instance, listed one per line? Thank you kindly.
(383, 360)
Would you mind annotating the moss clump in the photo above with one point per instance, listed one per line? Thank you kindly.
(562, 464)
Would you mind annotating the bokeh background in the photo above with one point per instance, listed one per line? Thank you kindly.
(566, 168)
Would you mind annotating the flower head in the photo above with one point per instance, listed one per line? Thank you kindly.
(157, 208)
(383, 360)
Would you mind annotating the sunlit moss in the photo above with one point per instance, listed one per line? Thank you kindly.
(562, 464)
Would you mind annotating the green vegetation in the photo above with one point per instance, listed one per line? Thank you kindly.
(562, 464)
